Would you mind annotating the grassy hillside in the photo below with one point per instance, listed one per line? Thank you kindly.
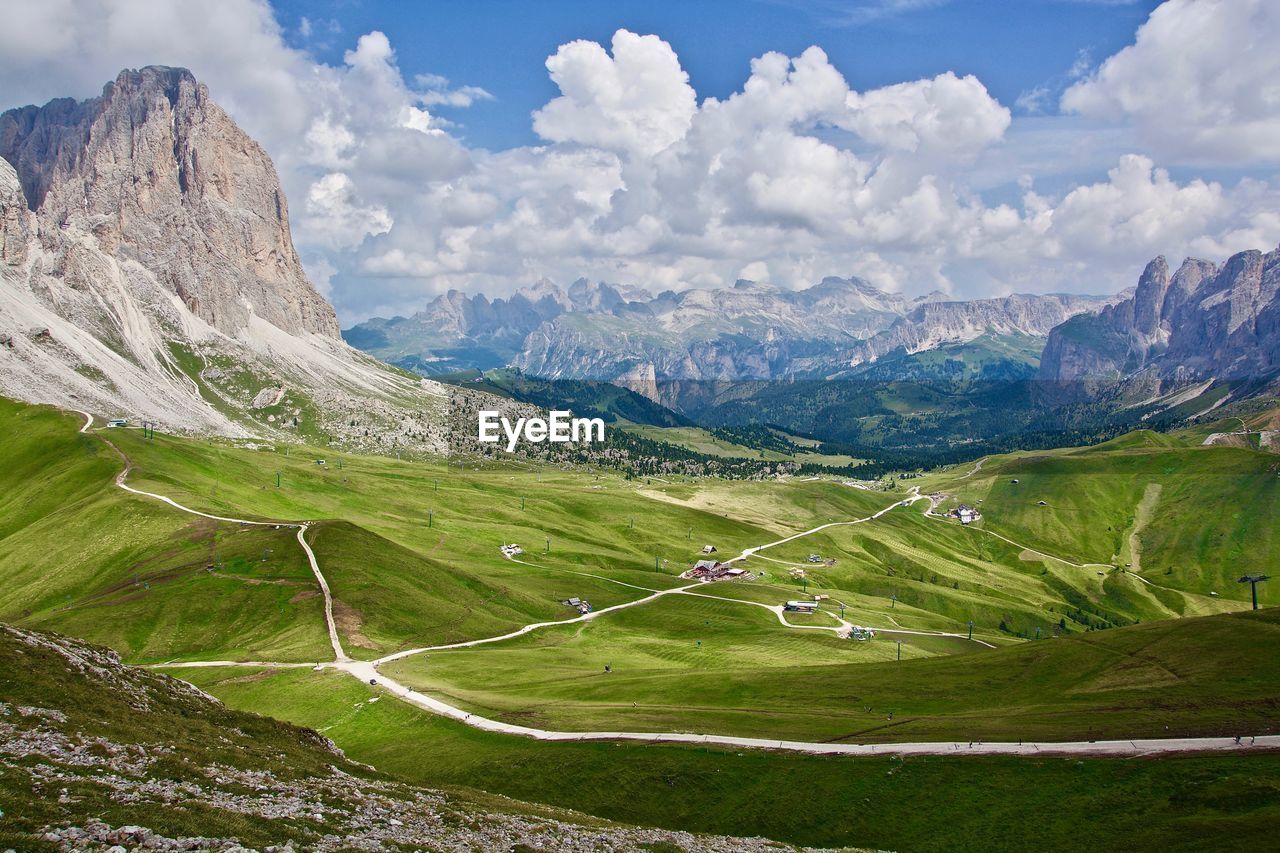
(1187, 519)
(1162, 679)
(81, 556)
(1184, 803)
(411, 552)
(411, 548)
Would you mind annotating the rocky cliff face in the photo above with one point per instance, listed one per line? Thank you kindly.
(147, 271)
(1200, 324)
(161, 176)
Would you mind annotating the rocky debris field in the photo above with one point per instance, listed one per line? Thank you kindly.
(96, 755)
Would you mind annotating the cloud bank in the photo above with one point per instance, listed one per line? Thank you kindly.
(795, 176)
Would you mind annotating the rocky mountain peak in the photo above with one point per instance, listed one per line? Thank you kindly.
(1203, 323)
(1185, 281)
(1148, 300)
(158, 173)
(147, 272)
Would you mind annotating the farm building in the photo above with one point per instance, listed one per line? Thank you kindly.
(702, 569)
(712, 570)
(801, 606)
(708, 549)
(966, 514)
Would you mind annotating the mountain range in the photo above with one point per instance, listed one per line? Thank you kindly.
(751, 331)
(147, 270)
(1203, 332)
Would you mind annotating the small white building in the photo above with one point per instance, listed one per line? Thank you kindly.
(801, 606)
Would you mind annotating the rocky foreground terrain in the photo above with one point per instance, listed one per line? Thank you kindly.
(147, 271)
(98, 755)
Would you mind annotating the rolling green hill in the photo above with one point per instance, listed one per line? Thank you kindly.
(1185, 519)
(1161, 679)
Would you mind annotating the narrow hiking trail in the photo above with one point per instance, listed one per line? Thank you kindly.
(338, 653)
(368, 671)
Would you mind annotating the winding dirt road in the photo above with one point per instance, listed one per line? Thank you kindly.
(368, 672)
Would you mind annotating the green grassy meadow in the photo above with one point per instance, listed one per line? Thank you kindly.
(1188, 520)
(1161, 679)
(410, 550)
(1179, 803)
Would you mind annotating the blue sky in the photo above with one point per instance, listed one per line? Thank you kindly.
(1012, 46)
(978, 147)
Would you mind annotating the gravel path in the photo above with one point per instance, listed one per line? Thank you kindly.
(368, 672)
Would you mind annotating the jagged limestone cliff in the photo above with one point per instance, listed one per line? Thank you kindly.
(149, 272)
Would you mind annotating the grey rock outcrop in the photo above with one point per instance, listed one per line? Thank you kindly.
(159, 174)
(1200, 324)
(15, 219)
(935, 323)
(147, 271)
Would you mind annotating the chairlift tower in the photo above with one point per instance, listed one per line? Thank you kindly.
(1253, 581)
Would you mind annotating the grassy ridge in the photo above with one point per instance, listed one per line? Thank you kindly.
(1211, 519)
(93, 561)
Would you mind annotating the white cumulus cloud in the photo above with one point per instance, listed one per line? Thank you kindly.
(1201, 82)
(639, 99)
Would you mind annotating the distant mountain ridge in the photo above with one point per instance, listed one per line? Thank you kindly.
(752, 330)
(936, 323)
